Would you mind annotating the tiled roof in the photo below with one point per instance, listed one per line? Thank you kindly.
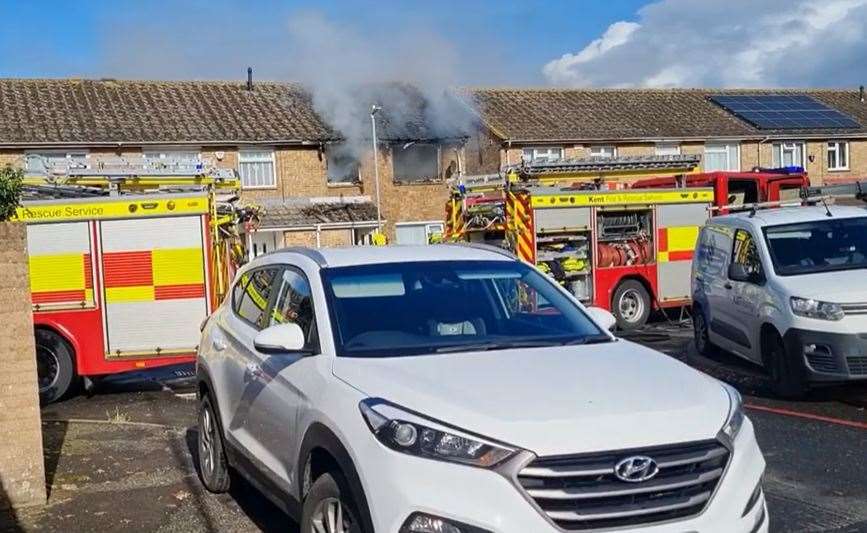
(307, 212)
(35, 111)
(632, 114)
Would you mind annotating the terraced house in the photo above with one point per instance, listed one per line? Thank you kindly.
(824, 131)
(290, 161)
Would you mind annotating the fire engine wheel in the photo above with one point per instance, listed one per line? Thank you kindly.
(213, 467)
(631, 305)
(55, 370)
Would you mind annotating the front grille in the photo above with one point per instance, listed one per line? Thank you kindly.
(859, 308)
(857, 365)
(581, 491)
(823, 361)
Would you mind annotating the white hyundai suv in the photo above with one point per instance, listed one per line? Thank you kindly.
(454, 389)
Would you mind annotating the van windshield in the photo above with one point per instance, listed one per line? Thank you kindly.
(818, 246)
(427, 307)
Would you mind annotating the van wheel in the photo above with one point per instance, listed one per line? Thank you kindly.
(329, 507)
(55, 369)
(213, 467)
(703, 345)
(631, 305)
(787, 377)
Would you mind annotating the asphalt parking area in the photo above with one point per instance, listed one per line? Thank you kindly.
(124, 459)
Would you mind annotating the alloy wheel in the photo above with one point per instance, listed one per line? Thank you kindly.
(331, 516)
(207, 451)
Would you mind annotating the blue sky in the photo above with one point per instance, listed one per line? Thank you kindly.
(496, 41)
(652, 43)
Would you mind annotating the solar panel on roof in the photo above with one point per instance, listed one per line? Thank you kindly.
(784, 111)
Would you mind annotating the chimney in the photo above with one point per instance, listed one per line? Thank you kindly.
(861, 93)
(250, 81)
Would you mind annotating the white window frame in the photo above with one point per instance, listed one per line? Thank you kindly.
(718, 147)
(273, 160)
(672, 147)
(541, 153)
(838, 148)
(601, 149)
(779, 147)
(68, 154)
(430, 227)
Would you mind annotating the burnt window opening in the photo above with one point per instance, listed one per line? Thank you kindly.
(341, 165)
(414, 162)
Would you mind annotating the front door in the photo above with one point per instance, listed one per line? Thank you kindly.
(277, 391)
(746, 297)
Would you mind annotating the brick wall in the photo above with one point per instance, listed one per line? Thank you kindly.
(22, 471)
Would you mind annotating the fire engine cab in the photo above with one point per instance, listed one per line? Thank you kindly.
(626, 250)
(122, 272)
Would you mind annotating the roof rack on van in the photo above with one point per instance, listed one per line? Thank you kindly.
(753, 207)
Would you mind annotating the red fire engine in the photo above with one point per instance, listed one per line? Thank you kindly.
(121, 282)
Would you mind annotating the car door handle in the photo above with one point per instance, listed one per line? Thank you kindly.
(727, 285)
(218, 344)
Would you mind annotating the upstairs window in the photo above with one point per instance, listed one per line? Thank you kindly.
(722, 156)
(341, 165)
(256, 168)
(838, 155)
(603, 151)
(788, 154)
(550, 153)
(414, 162)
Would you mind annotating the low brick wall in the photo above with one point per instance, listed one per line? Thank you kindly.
(22, 470)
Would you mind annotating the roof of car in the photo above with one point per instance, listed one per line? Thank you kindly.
(368, 255)
(790, 215)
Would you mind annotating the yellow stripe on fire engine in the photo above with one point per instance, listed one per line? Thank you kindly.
(142, 293)
(541, 201)
(56, 272)
(57, 212)
(177, 266)
(681, 238)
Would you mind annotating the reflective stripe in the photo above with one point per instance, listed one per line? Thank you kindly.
(177, 266)
(129, 294)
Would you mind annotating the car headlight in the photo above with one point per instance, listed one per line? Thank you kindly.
(735, 420)
(413, 434)
(815, 309)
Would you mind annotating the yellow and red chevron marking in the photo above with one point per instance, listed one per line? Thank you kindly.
(61, 278)
(520, 223)
(676, 243)
(153, 275)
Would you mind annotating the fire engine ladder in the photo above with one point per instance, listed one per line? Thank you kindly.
(605, 166)
(120, 175)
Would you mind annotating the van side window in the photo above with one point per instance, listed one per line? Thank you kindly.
(253, 299)
(745, 252)
(295, 304)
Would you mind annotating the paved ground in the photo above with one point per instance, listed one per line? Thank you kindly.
(124, 459)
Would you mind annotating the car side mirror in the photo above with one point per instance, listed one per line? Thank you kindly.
(602, 317)
(280, 338)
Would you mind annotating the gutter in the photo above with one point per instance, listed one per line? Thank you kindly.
(136, 144)
(791, 136)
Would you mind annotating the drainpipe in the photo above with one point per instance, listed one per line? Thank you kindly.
(373, 110)
(318, 236)
(759, 151)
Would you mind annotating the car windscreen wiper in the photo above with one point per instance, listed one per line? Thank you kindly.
(503, 345)
(589, 339)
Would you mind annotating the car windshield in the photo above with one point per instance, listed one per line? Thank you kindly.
(425, 307)
(818, 246)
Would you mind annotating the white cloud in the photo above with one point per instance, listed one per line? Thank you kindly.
(725, 43)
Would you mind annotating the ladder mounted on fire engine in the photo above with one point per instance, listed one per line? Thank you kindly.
(604, 167)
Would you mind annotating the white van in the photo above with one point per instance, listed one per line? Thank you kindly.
(787, 289)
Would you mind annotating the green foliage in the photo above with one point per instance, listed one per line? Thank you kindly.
(11, 180)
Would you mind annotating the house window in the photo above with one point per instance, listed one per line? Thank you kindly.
(603, 151)
(788, 154)
(55, 161)
(417, 232)
(171, 156)
(667, 149)
(341, 165)
(722, 156)
(256, 168)
(838, 155)
(413, 162)
(538, 155)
